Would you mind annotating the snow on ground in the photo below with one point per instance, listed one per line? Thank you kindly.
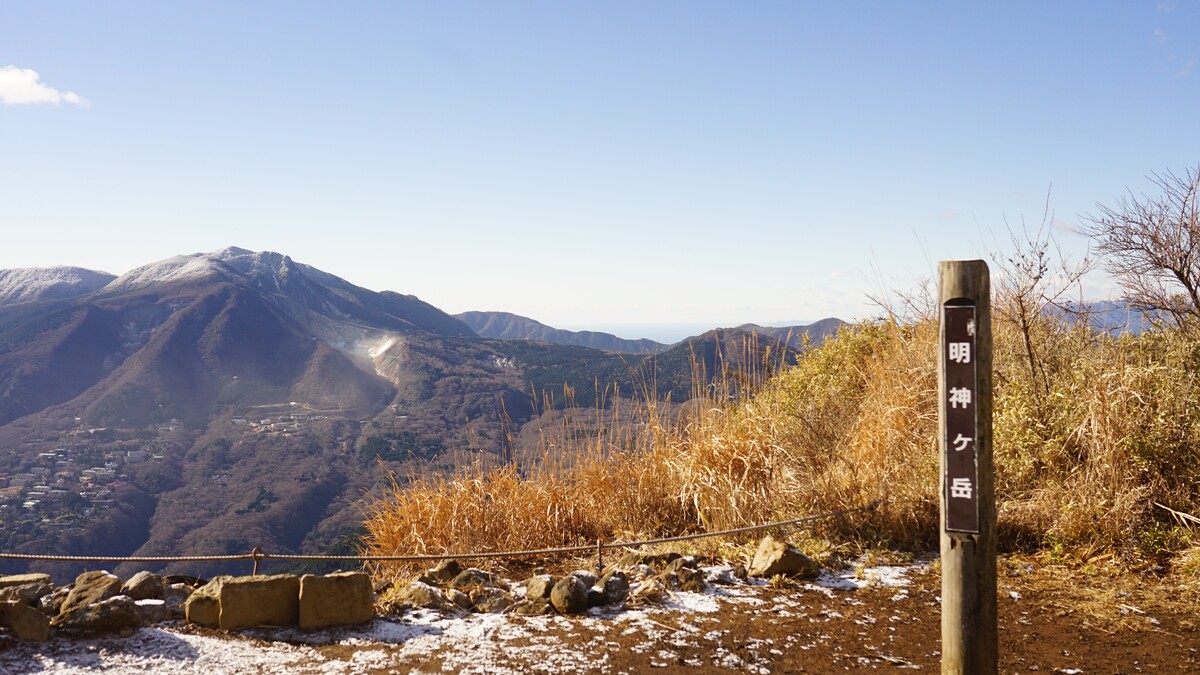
(420, 639)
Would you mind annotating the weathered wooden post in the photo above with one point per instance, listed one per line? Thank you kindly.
(968, 505)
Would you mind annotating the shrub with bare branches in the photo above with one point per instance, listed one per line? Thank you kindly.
(1151, 246)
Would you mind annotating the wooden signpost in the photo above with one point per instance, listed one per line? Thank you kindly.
(968, 505)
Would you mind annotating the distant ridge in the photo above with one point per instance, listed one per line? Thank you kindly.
(506, 326)
(816, 331)
(34, 284)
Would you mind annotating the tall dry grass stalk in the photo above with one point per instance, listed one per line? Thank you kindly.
(1109, 426)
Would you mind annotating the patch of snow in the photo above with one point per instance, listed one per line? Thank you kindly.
(177, 268)
(428, 641)
(892, 576)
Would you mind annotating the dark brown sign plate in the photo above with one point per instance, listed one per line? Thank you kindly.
(960, 432)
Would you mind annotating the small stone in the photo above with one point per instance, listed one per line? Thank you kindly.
(52, 604)
(143, 586)
(539, 587)
(641, 572)
(472, 577)
(615, 586)
(776, 557)
(444, 572)
(722, 576)
(595, 597)
(739, 571)
(691, 579)
(175, 597)
(460, 599)
(588, 577)
(419, 594)
(688, 561)
(658, 560)
(490, 600)
(532, 607)
(152, 611)
(569, 595)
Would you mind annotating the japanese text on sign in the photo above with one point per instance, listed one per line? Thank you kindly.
(959, 432)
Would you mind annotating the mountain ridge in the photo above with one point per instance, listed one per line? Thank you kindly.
(36, 284)
(213, 402)
(508, 326)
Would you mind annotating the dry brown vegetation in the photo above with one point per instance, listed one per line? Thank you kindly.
(1097, 454)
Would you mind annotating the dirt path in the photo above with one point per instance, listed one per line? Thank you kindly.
(1051, 621)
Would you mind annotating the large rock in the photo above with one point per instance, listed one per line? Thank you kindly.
(89, 589)
(776, 557)
(143, 586)
(570, 595)
(419, 594)
(336, 599)
(23, 579)
(203, 606)
(118, 613)
(263, 600)
(29, 594)
(24, 621)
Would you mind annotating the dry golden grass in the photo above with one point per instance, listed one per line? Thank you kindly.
(1085, 445)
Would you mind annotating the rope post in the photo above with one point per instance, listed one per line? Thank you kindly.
(968, 502)
(256, 555)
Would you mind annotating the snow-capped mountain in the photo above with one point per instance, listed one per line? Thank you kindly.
(33, 284)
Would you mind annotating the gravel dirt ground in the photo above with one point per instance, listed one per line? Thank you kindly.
(1051, 620)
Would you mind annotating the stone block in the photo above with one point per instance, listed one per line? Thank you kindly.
(203, 606)
(23, 579)
(337, 599)
(24, 621)
(265, 600)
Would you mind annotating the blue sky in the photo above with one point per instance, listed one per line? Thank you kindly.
(585, 163)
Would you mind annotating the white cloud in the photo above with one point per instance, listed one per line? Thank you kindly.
(22, 86)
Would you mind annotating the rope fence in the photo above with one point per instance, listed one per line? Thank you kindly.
(257, 555)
